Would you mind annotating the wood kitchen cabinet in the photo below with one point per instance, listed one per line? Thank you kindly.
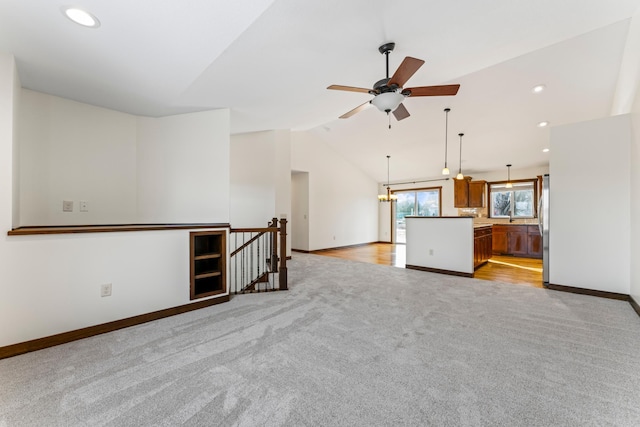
(534, 242)
(517, 240)
(482, 245)
(468, 193)
(476, 194)
(500, 240)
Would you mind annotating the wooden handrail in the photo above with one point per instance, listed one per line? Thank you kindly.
(261, 232)
(255, 230)
(107, 228)
(276, 263)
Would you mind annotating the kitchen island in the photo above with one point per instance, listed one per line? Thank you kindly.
(449, 245)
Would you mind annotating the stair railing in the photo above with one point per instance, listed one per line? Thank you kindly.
(255, 260)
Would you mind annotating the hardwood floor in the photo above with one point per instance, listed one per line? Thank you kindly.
(527, 271)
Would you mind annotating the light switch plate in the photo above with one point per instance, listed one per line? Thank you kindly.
(67, 206)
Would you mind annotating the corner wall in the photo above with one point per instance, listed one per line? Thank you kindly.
(343, 200)
(50, 284)
(76, 152)
(590, 205)
(260, 178)
(182, 168)
(635, 201)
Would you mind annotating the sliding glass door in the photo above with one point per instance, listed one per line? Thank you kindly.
(421, 202)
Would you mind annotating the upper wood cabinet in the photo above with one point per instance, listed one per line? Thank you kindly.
(476, 193)
(461, 192)
(468, 193)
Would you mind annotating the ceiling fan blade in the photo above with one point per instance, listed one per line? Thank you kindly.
(444, 90)
(404, 72)
(349, 88)
(355, 110)
(401, 112)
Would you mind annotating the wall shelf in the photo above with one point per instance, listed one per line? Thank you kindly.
(207, 263)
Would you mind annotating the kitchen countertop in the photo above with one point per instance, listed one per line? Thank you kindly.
(504, 223)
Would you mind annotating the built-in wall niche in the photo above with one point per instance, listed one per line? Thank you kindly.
(208, 263)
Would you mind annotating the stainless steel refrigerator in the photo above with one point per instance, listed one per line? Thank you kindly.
(543, 225)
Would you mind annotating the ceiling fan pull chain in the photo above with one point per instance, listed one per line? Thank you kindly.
(389, 117)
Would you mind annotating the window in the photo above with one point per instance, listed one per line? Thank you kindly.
(419, 202)
(517, 202)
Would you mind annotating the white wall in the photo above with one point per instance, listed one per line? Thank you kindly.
(8, 101)
(590, 192)
(73, 151)
(17, 95)
(441, 243)
(128, 169)
(300, 210)
(635, 201)
(183, 168)
(343, 202)
(50, 284)
(260, 178)
(253, 190)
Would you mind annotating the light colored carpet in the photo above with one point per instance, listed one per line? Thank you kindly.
(351, 344)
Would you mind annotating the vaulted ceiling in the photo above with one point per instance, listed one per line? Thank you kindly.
(270, 62)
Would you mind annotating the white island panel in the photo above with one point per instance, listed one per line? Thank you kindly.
(440, 244)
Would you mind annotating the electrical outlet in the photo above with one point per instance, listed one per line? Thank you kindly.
(67, 206)
(105, 290)
(83, 206)
(430, 251)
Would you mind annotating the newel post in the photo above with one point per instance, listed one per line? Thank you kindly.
(274, 246)
(283, 255)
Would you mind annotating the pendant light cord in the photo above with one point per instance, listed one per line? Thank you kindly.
(388, 157)
(460, 165)
(446, 133)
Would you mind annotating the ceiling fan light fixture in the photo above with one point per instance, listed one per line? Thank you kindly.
(81, 17)
(387, 101)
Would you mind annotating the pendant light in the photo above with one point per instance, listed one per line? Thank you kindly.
(445, 170)
(387, 197)
(509, 185)
(460, 176)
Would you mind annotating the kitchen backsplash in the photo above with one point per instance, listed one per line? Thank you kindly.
(481, 216)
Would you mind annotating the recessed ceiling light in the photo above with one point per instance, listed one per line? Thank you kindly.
(543, 124)
(538, 89)
(81, 17)
(545, 150)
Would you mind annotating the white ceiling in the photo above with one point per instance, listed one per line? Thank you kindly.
(270, 62)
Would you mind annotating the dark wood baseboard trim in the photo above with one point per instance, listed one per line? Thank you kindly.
(592, 292)
(437, 270)
(634, 304)
(66, 337)
(342, 247)
(339, 247)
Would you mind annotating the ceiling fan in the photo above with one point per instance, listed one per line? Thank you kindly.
(388, 93)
